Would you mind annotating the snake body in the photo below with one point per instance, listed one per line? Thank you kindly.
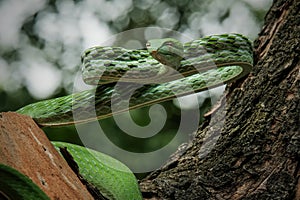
(15, 185)
(128, 79)
(112, 178)
(208, 62)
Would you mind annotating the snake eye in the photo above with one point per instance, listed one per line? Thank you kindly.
(169, 44)
(148, 44)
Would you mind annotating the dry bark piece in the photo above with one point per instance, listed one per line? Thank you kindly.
(25, 147)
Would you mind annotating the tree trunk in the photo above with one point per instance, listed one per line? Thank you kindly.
(254, 153)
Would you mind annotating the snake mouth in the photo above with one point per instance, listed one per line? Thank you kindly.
(157, 57)
(154, 52)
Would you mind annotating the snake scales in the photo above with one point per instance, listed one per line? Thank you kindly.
(122, 74)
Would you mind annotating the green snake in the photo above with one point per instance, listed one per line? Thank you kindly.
(128, 79)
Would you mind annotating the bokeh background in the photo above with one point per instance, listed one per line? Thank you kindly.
(41, 43)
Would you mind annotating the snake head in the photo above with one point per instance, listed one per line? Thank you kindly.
(168, 51)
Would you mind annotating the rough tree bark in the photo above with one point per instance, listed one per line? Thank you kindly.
(257, 153)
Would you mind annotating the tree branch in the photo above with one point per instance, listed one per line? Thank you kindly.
(25, 147)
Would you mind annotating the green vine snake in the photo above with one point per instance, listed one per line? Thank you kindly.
(166, 69)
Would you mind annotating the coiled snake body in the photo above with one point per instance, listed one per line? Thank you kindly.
(178, 69)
